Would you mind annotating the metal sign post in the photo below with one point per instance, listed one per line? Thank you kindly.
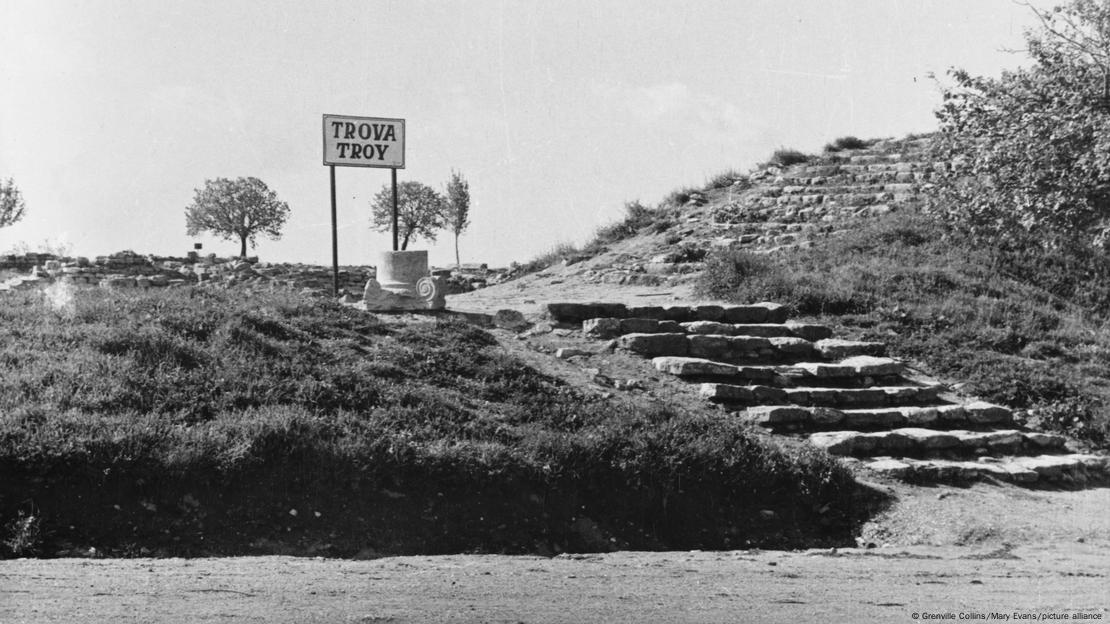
(361, 142)
(334, 240)
(394, 178)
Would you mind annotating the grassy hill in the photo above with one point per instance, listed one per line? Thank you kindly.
(195, 421)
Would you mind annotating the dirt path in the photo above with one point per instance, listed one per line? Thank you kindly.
(888, 585)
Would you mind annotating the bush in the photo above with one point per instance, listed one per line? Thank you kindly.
(636, 217)
(679, 197)
(786, 157)
(846, 142)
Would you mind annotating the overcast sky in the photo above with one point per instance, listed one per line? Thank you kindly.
(112, 113)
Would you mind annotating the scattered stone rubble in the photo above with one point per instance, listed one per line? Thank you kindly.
(127, 269)
(844, 396)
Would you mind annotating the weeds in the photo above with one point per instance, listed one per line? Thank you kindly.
(725, 179)
(24, 536)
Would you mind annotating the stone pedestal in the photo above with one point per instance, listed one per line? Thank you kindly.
(404, 283)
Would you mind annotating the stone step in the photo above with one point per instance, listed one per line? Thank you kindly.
(764, 312)
(921, 442)
(805, 331)
(881, 396)
(862, 370)
(852, 367)
(610, 327)
(1070, 468)
(700, 368)
(810, 417)
(835, 349)
(733, 348)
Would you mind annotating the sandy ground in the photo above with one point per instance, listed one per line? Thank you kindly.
(878, 585)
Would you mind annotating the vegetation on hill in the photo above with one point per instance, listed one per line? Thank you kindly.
(203, 421)
(1023, 327)
(1031, 149)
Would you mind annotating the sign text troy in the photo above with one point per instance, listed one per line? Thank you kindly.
(364, 141)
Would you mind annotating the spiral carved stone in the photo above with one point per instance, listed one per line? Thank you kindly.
(426, 288)
(432, 290)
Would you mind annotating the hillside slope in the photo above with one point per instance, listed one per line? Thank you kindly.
(658, 254)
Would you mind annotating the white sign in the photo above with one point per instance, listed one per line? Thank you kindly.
(364, 141)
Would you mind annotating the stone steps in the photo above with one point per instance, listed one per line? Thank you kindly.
(610, 327)
(852, 367)
(922, 442)
(792, 417)
(860, 369)
(844, 398)
(747, 348)
(577, 313)
(1073, 468)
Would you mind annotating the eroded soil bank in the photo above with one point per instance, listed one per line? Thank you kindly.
(944, 550)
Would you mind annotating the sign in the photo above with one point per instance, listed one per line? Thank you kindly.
(364, 142)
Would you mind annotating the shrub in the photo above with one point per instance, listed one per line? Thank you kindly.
(786, 157)
(679, 197)
(636, 217)
(846, 142)
(724, 179)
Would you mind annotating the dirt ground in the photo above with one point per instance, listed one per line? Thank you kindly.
(894, 584)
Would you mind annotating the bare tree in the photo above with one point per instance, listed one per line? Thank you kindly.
(458, 208)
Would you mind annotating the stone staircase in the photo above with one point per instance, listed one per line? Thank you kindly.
(784, 207)
(770, 209)
(844, 396)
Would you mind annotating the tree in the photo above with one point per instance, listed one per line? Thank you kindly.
(421, 211)
(241, 208)
(1030, 150)
(458, 208)
(11, 203)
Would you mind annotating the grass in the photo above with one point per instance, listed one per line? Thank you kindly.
(116, 399)
(725, 179)
(1024, 327)
(637, 218)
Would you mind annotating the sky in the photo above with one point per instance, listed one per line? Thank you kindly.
(112, 113)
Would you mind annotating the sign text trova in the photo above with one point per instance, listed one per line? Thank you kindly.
(364, 141)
